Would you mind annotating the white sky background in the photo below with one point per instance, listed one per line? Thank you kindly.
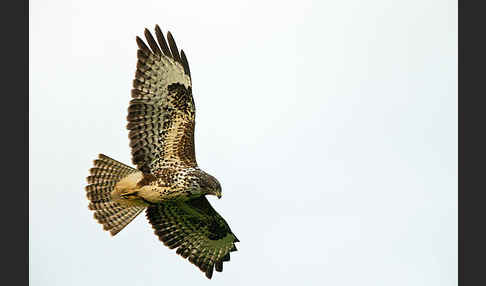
(331, 125)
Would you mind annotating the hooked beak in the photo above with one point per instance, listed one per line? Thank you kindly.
(219, 196)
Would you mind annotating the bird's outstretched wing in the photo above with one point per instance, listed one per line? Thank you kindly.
(197, 231)
(162, 112)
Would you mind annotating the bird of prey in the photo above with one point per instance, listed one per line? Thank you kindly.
(167, 182)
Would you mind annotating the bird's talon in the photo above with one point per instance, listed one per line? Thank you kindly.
(129, 196)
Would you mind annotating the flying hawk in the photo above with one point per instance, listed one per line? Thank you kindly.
(167, 182)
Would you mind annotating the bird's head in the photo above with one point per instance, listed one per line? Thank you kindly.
(209, 185)
(218, 192)
(215, 188)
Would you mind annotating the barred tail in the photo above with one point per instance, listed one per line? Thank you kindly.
(103, 177)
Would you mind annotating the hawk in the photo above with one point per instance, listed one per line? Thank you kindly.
(167, 182)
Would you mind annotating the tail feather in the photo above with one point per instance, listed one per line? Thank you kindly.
(117, 222)
(103, 178)
(99, 188)
(98, 197)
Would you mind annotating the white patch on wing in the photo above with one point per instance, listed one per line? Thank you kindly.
(168, 72)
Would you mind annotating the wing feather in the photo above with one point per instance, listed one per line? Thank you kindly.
(198, 232)
(185, 63)
(162, 41)
(161, 115)
(173, 47)
(151, 41)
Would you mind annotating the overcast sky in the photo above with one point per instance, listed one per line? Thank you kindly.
(331, 125)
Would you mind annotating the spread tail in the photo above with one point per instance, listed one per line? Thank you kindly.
(103, 178)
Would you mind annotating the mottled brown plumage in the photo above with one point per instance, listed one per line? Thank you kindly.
(168, 182)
